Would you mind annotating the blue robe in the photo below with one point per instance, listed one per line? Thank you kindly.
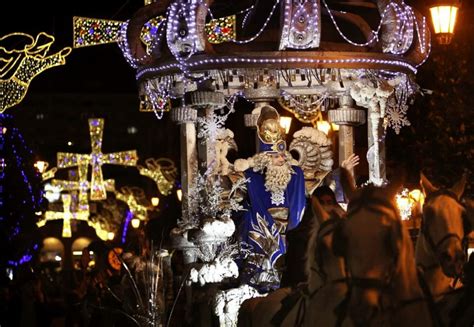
(258, 222)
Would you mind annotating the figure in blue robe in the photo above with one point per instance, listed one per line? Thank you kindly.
(275, 202)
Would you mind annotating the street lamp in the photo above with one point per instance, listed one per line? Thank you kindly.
(443, 16)
(135, 223)
(155, 201)
(41, 166)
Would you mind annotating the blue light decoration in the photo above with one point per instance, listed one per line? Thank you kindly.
(125, 226)
(20, 196)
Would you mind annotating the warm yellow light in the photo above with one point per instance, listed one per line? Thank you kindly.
(404, 204)
(335, 127)
(444, 20)
(23, 61)
(162, 171)
(4, 130)
(416, 195)
(285, 122)
(155, 201)
(323, 126)
(41, 166)
(110, 236)
(135, 222)
(96, 159)
(179, 194)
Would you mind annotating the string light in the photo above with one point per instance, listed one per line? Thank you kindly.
(96, 159)
(128, 218)
(66, 215)
(300, 26)
(258, 61)
(221, 29)
(93, 31)
(163, 171)
(25, 63)
(128, 195)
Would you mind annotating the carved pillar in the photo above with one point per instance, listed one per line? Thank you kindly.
(205, 100)
(186, 117)
(346, 117)
(261, 96)
(376, 144)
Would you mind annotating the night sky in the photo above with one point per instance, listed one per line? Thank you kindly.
(97, 82)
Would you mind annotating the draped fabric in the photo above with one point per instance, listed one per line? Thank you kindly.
(258, 227)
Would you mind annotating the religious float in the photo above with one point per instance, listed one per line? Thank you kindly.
(352, 61)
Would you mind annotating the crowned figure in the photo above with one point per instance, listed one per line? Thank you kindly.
(275, 200)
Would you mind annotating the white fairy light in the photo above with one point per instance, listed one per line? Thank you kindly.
(258, 61)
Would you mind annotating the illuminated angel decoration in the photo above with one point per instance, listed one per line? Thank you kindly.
(135, 198)
(21, 64)
(162, 171)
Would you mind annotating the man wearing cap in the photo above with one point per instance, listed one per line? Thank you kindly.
(275, 202)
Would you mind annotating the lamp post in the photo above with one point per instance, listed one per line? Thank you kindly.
(443, 16)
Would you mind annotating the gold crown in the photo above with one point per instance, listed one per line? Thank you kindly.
(268, 126)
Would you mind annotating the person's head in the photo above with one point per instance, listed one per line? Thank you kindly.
(278, 158)
(277, 169)
(327, 198)
(325, 195)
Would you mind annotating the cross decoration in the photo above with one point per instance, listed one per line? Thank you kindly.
(66, 215)
(81, 184)
(96, 159)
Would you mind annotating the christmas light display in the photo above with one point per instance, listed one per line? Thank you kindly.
(162, 171)
(221, 29)
(149, 32)
(66, 215)
(96, 159)
(125, 225)
(133, 197)
(93, 31)
(20, 65)
(81, 184)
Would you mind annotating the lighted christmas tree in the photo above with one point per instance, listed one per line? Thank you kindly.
(20, 196)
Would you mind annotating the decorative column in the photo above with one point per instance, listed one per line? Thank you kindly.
(261, 96)
(346, 117)
(205, 100)
(376, 145)
(186, 117)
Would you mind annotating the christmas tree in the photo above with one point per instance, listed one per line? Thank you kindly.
(20, 196)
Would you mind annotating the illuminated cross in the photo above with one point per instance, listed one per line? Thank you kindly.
(96, 159)
(81, 184)
(66, 215)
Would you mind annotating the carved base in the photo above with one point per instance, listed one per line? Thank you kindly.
(205, 99)
(250, 120)
(346, 116)
(183, 115)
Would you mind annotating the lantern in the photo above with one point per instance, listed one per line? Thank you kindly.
(444, 15)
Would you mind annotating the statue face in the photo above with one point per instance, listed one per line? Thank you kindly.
(270, 131)
(278, 159)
